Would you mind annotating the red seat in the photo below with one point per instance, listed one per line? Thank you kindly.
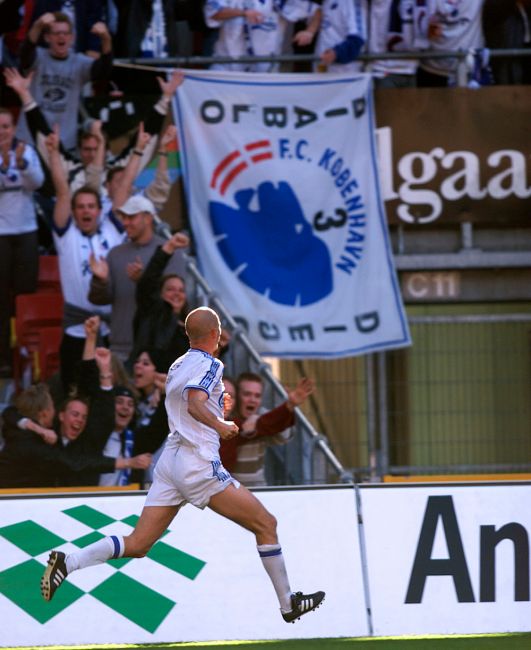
(46, 359)
(48, 279)
(33, 312)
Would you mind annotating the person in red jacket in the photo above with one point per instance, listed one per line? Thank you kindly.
(244, 455)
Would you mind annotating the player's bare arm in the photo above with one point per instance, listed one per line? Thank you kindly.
(197, 408)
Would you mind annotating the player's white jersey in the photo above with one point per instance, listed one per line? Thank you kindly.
(342, 18)
(194, 369)
(239, 38)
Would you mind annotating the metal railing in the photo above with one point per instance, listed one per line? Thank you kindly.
(239, 337)
(309, 471)
(416, 55)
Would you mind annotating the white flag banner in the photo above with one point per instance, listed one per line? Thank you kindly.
(282, 186)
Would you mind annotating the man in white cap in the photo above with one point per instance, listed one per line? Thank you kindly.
(114, 278)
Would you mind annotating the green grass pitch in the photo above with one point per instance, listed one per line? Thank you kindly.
(467, 642)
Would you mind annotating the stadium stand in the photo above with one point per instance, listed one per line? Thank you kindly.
(35, 336)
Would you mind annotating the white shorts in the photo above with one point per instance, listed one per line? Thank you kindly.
(181, 476)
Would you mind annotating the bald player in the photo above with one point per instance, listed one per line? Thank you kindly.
(190, 471)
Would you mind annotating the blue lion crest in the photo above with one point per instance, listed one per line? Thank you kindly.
(273, 248)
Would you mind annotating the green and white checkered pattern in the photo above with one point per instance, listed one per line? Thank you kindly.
(113, 585)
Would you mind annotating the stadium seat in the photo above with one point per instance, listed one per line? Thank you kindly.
(33, 312)
(46, 359)
(48, 279)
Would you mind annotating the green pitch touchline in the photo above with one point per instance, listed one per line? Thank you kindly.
(429, 642)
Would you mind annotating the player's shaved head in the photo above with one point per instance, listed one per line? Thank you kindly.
(200, 322)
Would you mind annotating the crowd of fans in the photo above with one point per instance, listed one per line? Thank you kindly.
(123, 285)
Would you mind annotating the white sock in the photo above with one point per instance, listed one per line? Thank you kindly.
(104, 549)
(273, 561)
